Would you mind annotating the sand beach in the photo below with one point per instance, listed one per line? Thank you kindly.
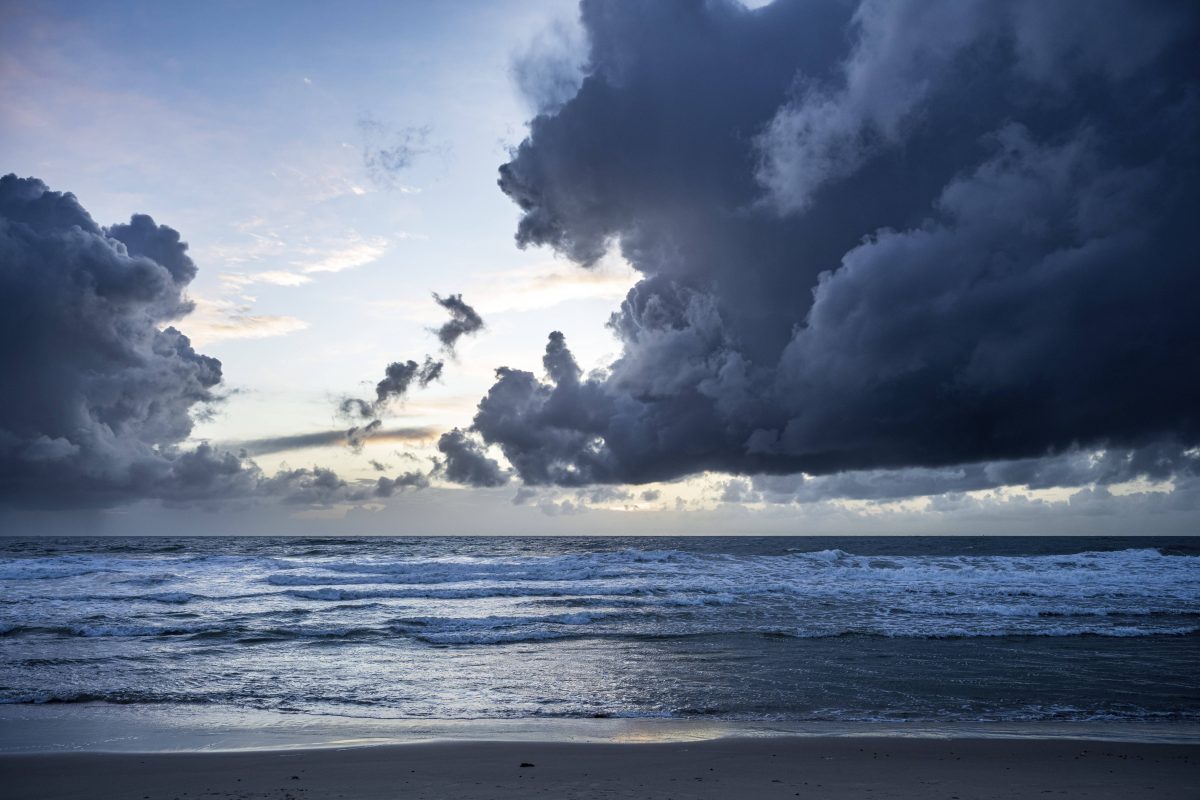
(750, 768)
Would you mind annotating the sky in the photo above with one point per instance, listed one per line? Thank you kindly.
(601, 268)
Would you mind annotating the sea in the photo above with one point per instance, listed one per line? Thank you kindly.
(896, 630)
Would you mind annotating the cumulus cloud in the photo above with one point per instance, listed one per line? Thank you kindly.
(871, 237)
(100, 390)
(463, 320)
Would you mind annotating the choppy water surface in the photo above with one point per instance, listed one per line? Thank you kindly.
(885, 629)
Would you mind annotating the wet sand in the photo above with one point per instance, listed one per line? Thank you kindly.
(750, 768)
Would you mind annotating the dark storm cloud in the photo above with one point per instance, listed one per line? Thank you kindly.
(871, 237)
(463, 320)
(100, 391)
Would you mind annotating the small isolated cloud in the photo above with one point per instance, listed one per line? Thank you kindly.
(399, 376)
(463, 321)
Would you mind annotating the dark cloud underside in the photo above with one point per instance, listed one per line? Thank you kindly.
(871, 237)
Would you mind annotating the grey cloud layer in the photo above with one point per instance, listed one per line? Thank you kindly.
(873, 236)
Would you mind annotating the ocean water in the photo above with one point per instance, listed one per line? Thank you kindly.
(795, 629)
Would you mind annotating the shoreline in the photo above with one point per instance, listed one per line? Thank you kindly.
(745, 767)
(110, 728)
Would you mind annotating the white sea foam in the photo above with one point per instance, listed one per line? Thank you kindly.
(808, 593)
(458, 627)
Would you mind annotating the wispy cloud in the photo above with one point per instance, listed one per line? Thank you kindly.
(328, 438)
(537, 286)
(231, 316)
(353, 252)
(549, 284)
(388, 151)
(235, 281)
(216, 320)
